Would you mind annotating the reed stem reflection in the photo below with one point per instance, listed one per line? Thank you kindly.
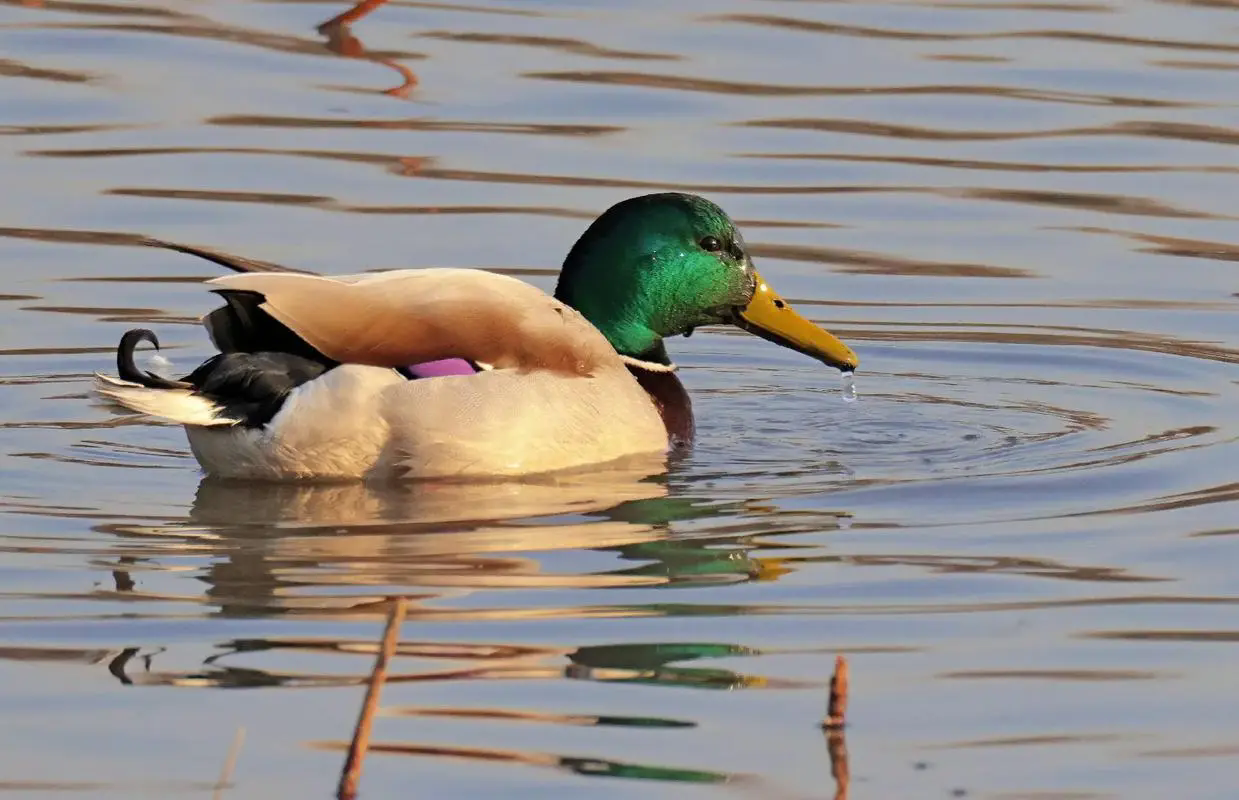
(340, 39)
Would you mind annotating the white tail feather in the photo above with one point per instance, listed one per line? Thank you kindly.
(177, 405)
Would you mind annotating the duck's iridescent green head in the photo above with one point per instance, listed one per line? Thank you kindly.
(663, 264)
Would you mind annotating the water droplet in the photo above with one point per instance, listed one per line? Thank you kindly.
(849, 386)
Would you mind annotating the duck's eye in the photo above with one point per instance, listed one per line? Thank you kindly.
(711, 244)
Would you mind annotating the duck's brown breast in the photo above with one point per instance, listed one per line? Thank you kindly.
(672, 401)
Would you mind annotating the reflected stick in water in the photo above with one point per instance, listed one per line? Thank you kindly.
(121, 577)
(341, 40)
(351, 772)
(355, 13)
(117, 665)
(837, 749)
(230, 764)
(833, 724)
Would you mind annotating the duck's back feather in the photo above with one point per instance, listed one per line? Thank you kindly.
(392, 319)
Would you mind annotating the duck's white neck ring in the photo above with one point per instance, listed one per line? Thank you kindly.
(651, 366)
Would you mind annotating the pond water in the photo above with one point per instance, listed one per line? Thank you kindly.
(1022, 215)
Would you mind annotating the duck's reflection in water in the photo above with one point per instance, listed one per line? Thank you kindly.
(337, 550)
(340, 548)
(332, 552)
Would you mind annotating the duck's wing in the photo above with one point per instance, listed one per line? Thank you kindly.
(401, 317)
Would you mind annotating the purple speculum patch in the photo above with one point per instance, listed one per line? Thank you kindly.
(440, 368)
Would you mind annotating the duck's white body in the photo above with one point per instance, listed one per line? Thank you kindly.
(370, 422)
(558, 396)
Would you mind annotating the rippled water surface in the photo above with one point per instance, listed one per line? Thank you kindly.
(1021, 214)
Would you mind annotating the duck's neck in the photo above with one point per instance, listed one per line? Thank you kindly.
(626, 299)
(634, 341)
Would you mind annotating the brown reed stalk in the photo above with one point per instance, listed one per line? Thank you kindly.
(837, 706)
(350, 774)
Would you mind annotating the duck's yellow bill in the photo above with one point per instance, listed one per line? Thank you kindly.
(770, 317)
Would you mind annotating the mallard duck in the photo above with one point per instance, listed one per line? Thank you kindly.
(430, 373)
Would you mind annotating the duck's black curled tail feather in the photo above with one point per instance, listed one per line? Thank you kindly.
(128, 370)
(260, 363)
(230, 388)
